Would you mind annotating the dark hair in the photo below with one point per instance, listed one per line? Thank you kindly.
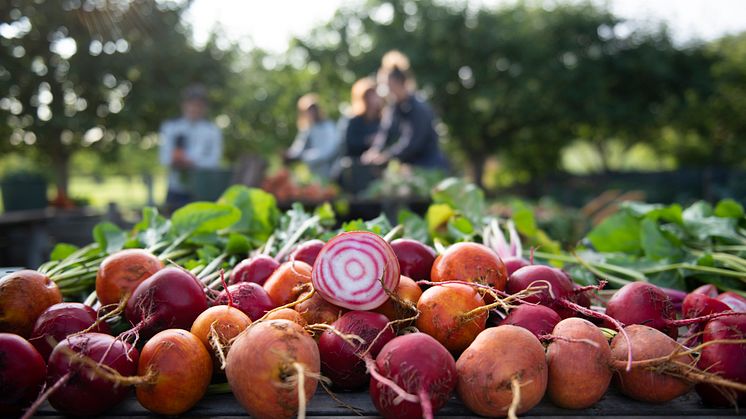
(399, 75)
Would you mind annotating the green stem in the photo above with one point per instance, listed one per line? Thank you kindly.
(613, 279)
(296, 236)
(176, 243)
(175, 254)
(219, 388)
(212, 266)
(689, 266)
(599, 265)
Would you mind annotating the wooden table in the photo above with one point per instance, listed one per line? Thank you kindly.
(323, 406)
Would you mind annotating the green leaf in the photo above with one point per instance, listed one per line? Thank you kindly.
(259, 212)
(669, 279)
(617, 233)
(207, 253)
(379, 225)
(437, 216)
(62, 250)
(326, 215)
(671, 213)
(415, 226)
(152, 228)
(109, 237)
(655, 244)
(204, 217)
(524, 219)
(204, 239)
(238, 244)
(464, 197)
(701, 223)
(729, 208)
(460, 229)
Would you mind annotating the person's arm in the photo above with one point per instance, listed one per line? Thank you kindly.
(375, 154)
(414, 135)
(299, 144)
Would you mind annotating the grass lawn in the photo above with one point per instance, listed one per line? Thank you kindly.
(126, 192)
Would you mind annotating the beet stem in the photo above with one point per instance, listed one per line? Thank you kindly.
(566, 339)
(301, 390)
(217, 345)
(288, 305)
(585, 311)
(339, 401)
(225, 287)
(400, 392)
(295, 237)
(44, 396)
(703, 319)
(425, 404)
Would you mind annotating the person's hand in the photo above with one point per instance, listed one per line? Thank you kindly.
(179, 159)
(374, 157)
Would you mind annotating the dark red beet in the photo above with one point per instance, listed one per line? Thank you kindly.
(581, 298)
(307, 252)
(513, 263)
(170, 298)
(643, 303)
(696, 305)
(255, 269)
(734, 301)
(560, 286)
(415, 259)
(538, 319)
(420, 366)
(248, 297)
(707, 289)
(726, 360)
(60, 321)
(22, 373)
(84, 394)
(340, 361)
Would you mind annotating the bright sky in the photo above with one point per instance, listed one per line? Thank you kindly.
(271, 24)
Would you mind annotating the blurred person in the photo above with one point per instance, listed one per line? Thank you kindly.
(318, 141)
(407, 132)
(187, 143)
(365, 122)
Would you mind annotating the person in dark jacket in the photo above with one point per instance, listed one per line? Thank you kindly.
(407, 131)
(363, 126)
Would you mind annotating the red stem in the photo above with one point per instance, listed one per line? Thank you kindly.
(590, 313)
(580, 290)
(471, 284)
(44, 396)
(703, 319)
(225, 287)
(370, 364)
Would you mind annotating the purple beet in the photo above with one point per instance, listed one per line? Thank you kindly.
(513, 263)
(415, 259)
(255, 269)
(60, 321)
(22, 373)
(248, 297)
(538, 319)
(307, 251)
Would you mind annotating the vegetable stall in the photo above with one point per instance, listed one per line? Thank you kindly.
(234, 307)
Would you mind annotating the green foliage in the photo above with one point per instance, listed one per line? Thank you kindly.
(259, 213)
(109, 237)
(204, 217)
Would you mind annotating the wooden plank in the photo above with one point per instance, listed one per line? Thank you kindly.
(321, 406)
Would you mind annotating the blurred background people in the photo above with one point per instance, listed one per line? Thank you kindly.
(363, 126)
(407, 131)
(188, 143)
(317, 143)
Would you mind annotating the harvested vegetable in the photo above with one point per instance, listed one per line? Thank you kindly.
(254, 269)
(178, 368)
(578, 359)
(403, 303)
(342, 349)
(412, 377)
(22, 374)
(283, 361)
(537, 319)
(415, 258)
(249, 297)
(503, 372)
(24, 295)
(355, 270)
(307, 251)
(288, 282)
(121, 272)
(452, 314)
(471, 262)
(556, 286)
(287, 314)
(60, 321)
(216, 327)
(316, 309)
(727, 360)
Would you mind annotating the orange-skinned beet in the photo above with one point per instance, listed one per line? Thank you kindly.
(317, 310)
(409, 292)
(24, 295)
(288, 282)
(442, 310)
(121, 272)
(227, 322)
(182, 368)
(261, 368)
(472, 262)
(287, 314)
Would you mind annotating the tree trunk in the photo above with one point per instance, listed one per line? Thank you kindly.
(61, 167)
(478, 161)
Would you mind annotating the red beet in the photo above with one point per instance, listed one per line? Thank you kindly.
(255, 269)
(420, 366)
(643, 303)
(726, 360)
(308, 251)
(85, 394)
(415, 258)
(60, 321)
(22, 373)
(734, 301)
(513, 263)
(696, 305)
(707, 289)
(539, 320)
(170, 298)
(559, 286)
(248, 297)
(341, 361)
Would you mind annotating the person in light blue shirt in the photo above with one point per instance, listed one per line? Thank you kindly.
(318, 141)
(187, 143)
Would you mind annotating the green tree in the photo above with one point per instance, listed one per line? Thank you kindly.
(78, 74)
